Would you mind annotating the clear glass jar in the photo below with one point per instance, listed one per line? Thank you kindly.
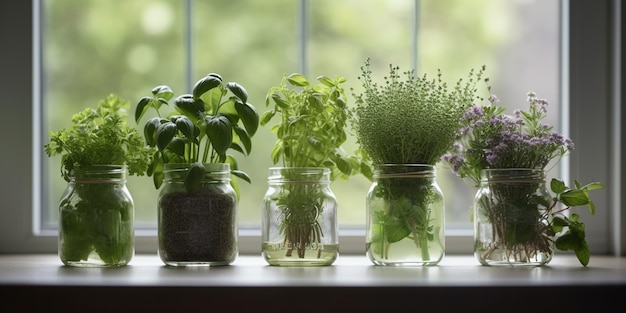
(511, 218)
(197, 227)
(405, 216)
(96, 214)
(299, 218)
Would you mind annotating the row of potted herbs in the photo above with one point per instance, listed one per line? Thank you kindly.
(404, 128)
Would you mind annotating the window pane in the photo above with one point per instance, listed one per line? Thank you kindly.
(342, 35)
(518, 41)
(253, 43)
(94, 48)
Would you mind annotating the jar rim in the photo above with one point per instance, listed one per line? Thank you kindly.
(404, 170)
(98, 173)
(521, 175)
(209, 167)
(306, 175)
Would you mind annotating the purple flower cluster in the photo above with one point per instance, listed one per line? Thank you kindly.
(492, 139)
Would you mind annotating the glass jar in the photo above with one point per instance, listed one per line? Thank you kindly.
(299, 218)
(96, 214)
(405, 216)
(512, 219)
(197, 227)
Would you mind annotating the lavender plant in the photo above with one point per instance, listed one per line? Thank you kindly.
(490, 139)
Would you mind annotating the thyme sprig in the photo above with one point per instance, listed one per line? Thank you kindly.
(412, 120)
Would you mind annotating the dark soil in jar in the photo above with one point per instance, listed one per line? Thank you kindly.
(197, 226)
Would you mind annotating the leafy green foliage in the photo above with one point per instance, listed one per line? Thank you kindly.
(408, 121)
(412, 120)
(204, 126)
(100, 136)
(97, 216)
(312, 125)
(311, 128)
(572, 231)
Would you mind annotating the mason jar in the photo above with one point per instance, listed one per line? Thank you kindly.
(405, 216)
(96, 214)
(299, 218)
(512, 218)
(197, 227)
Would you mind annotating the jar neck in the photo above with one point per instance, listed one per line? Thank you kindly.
(98, 173)
(513, 175)
(384, 171)
(213, 171)
(303, 175)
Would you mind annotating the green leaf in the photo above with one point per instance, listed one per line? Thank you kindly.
(592, 207)
(164, 134)
(142, 107)
(583, 254)
(238, 91)
(574, 198)
(342, 164)
(568, 241)
(396, 232)
(186, 126)
(205, 84)
(298, 79)
(277, 151)
(557, 186)
(157, 173)
(163, 91)
(235, 146)
(211, 100)
(558, 223)
(241, 174)
(244, 138)
(366, 170)
(189, 106)
(177, 145)
(280, 102)
(267, 117)
(248, 115)
(326, 81)
(149, 130)
(195, 174)
(593, 186)
(220, 133)
(316, 102)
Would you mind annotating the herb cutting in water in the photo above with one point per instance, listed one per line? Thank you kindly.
(407, 122)
(522, 223)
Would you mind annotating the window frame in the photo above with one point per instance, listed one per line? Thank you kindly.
(595, 22)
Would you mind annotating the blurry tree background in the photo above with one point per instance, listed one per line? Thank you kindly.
(92, 48)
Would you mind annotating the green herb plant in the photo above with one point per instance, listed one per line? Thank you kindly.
(204, 126)
(522, 225)
(98, 136)
(311, 128)
(407, 121)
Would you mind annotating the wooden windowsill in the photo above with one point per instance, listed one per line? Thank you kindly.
(351, 282)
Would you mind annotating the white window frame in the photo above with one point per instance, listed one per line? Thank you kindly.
(592, 84)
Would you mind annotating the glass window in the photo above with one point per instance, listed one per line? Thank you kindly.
(587, 31)
(92, 48)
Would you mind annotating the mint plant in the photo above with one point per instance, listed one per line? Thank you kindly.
(571, 229)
